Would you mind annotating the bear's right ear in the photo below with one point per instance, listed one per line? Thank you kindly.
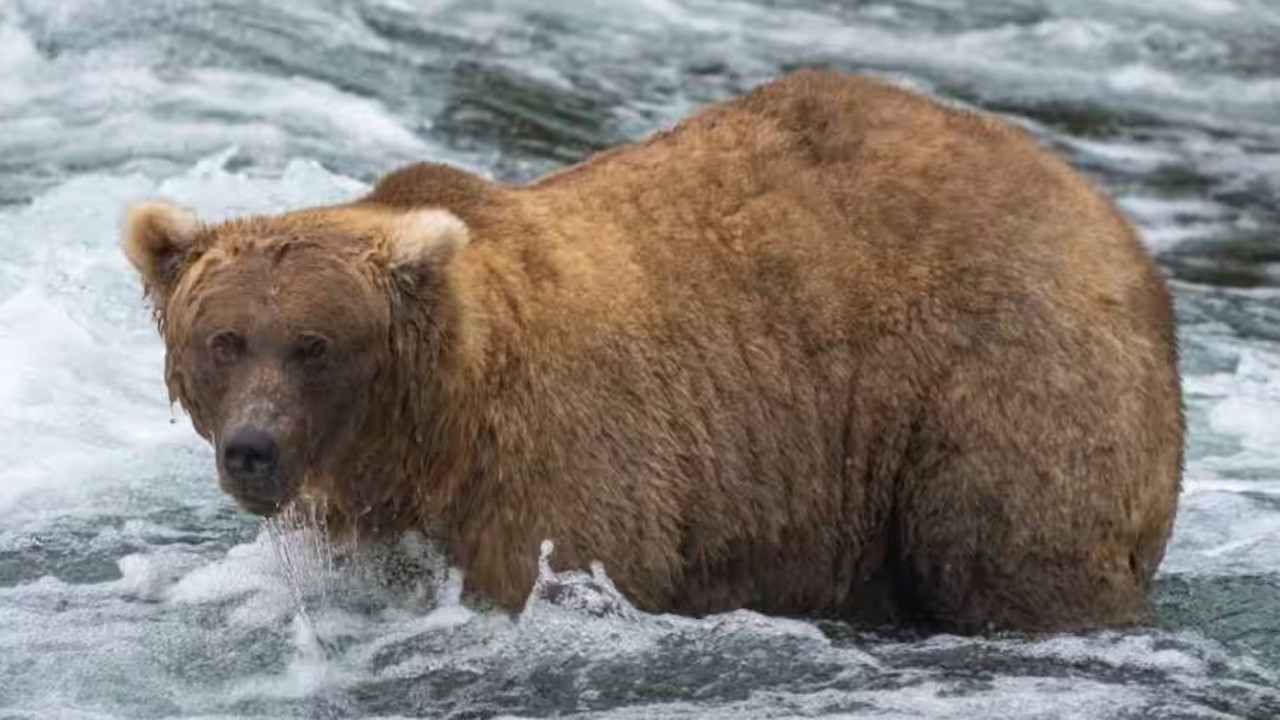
(157, 239)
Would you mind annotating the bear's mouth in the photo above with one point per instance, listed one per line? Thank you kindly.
(260, 507)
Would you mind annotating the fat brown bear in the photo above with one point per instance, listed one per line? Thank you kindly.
(830, 349)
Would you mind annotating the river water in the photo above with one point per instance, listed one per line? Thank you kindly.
(131, 588)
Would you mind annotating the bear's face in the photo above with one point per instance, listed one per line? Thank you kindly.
(274, 353)
(279, 331)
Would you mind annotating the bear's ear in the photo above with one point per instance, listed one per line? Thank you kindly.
(425, 240)
(157, 239)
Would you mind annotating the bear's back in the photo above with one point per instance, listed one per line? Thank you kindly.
(866, 200)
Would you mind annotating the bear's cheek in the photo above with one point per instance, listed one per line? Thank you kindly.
(335, 408)
(198, 389)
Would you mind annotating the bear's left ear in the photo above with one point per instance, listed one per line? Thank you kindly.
(157, 239)
(425, 240)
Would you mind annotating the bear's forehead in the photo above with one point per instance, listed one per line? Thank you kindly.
(285, 285)
(282, 265)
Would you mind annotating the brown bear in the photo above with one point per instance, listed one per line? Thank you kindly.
(830, 349)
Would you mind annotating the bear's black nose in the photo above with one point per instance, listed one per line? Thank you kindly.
(250, 456)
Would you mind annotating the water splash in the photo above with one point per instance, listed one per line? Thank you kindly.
(593, 593)
(304, 557)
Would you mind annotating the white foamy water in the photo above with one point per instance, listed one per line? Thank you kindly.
(130, 587)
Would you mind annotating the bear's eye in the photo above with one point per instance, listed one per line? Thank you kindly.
(312, 349)
(226, 347)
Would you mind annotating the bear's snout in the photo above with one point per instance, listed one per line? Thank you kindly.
(250, 459)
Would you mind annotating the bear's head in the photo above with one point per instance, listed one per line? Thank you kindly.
(289, 337)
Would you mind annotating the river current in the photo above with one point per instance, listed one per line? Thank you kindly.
(131, 588)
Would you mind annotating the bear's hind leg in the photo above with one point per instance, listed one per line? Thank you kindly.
(1010, 517)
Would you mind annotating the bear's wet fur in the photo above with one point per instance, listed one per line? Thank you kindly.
(831, 349)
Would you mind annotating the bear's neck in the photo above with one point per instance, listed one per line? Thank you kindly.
(471, 369)
(434, 435)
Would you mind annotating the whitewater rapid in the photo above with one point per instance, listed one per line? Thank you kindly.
(131, 587)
